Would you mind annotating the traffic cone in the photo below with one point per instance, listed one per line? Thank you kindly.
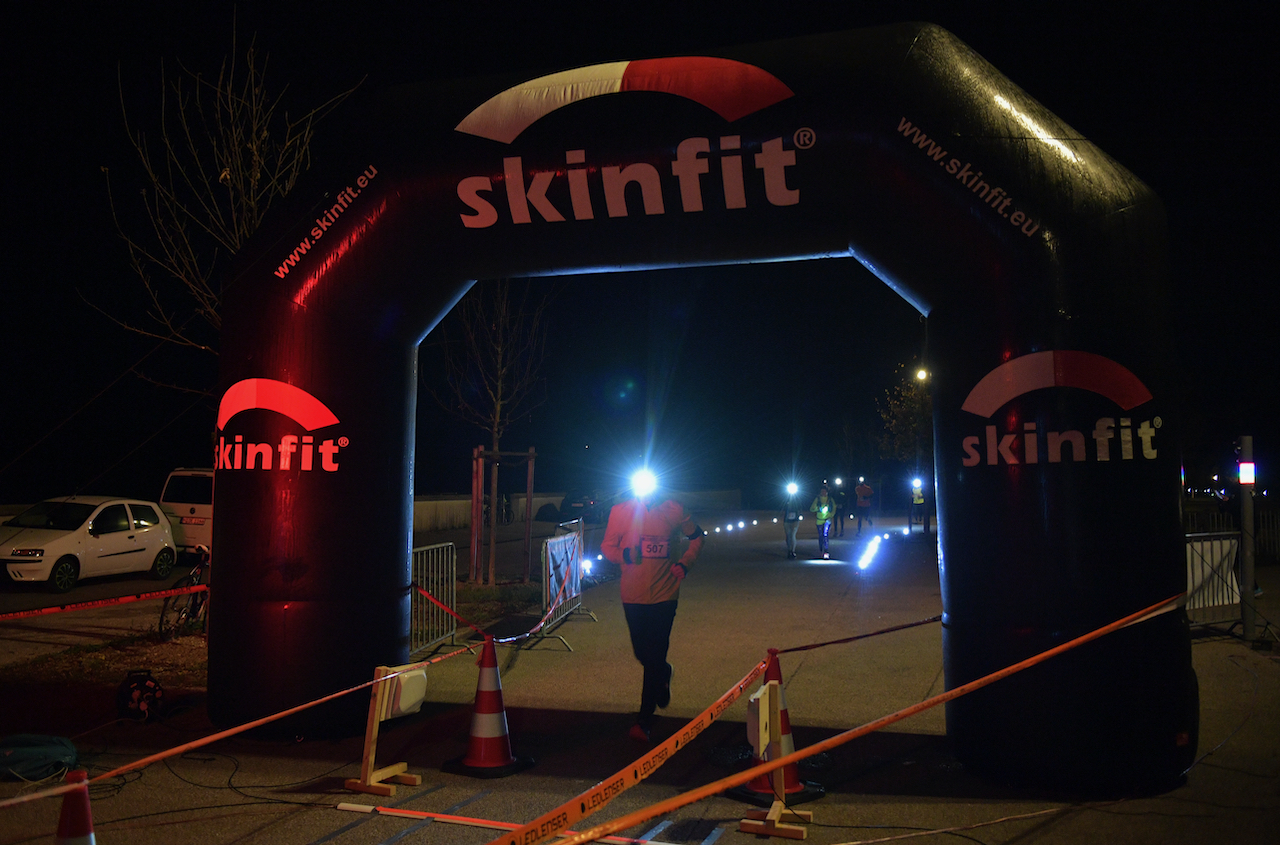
(759, 790)
(75, 823)
(489, 751)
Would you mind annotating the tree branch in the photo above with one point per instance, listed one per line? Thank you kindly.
(224, 151)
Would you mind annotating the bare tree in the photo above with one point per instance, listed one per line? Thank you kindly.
(857, 446)
(907, 413)
(494, 346)
(222, 150)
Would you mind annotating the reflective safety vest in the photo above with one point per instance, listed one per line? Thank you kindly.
(825, 511)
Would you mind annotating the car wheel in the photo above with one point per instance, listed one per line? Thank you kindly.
(163, 564)
(64, 574)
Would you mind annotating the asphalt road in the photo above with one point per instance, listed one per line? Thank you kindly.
(570, 710)
(32, 636)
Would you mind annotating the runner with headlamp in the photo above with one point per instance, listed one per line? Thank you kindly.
(643, 539)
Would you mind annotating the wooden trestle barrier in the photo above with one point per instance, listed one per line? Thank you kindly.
(372, 780)
(778, 819)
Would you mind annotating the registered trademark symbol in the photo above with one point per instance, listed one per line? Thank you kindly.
(804, 138)
(343, 441)
(1157, 422)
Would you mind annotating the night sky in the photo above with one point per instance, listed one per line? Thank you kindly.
(754, 370)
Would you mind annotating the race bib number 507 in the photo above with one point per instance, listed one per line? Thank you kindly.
(655, 546)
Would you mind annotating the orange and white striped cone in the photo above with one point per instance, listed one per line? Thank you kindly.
(759, 790)
(75, 822)
(489, 749)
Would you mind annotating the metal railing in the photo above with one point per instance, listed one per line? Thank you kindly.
(435, 569)
(1213, 589)
(1201, 516)
(562, 578)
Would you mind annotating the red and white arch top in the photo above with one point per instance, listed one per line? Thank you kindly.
(730, 89)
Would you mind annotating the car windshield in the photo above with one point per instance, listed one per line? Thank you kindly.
(189, 489)
(60, 516)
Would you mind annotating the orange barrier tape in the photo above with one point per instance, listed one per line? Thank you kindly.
(555, 822)
(425, 594)
(229, 732)
(84, 605)
(465, 820)
(678, 801)
(449, 610)
(857, 637)
(536, 628)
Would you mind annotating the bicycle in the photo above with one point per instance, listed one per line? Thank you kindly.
(187, 613)
(505, 513)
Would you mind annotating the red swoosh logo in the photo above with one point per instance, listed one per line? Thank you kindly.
(730, 89)
(271, 395)
(1058, 368)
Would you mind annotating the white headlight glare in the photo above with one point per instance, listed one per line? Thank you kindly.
(643, 482)
(868, 553)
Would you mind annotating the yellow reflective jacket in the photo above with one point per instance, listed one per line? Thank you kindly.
(824, 508)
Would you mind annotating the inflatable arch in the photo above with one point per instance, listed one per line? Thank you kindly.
(1039, 261)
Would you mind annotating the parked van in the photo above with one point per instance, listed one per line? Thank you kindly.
(188, 502)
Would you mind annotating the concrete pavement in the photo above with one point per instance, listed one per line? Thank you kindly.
(570, 710)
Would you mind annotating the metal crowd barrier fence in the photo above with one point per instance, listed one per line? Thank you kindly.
(1266, 525)
(562, 568)
(1213, 589)
(435, 569)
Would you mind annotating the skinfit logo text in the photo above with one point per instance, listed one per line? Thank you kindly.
(1119, 438)
(527, 193)
(234, 452)
(240, 455)
(996, 447)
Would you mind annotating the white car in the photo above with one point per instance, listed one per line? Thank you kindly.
(60, 541)
(187, 500)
